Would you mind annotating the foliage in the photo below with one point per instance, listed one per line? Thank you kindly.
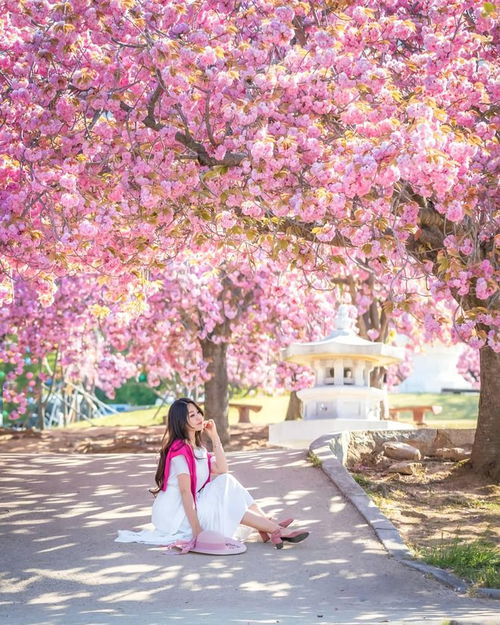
(317, 135)
(363, 481)
(132, 392)
(314, 459)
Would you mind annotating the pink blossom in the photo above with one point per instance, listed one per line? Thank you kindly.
(87, 229)
(68, 181)
(455, 211)
(70, 200)
(324, 123)
(485, 290)
(262, 149)
(466, 246)
(227, 219)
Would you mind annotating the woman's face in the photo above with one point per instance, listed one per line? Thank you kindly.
(195, 418)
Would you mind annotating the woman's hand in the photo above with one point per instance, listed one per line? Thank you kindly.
(210, 428)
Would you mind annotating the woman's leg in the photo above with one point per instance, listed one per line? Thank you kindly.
(263, 524)
(255, 508)
(276, 533)
(258, 522)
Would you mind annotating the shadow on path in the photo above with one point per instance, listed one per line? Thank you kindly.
(60, 565)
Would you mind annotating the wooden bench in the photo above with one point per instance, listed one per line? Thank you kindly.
(244, 411)
(418, 412)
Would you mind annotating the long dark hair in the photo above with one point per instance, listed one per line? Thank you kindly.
(176, 431)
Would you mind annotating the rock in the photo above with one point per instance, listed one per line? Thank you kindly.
(381, 462)
(360, 446)
(423, 440)
(401, 451)
(450, 437)
(452, 453)
(405, 468)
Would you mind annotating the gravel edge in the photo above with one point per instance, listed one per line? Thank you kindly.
(322, 451)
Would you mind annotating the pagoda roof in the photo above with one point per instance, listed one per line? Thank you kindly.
(343, 343)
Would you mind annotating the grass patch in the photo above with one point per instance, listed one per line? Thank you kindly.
(273, 410)
(362, 480)
(456, 407)
(477, 561)
(462, 502)
(380, 494)
(458, 410)
(133, 418)
(314, 459)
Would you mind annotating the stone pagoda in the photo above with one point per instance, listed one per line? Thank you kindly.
(342, 397)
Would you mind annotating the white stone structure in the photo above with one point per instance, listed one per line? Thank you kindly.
(343, 363)
(341, 398)
(435, 368)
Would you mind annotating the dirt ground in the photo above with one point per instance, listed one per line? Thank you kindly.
(102, 440)
(443, 501)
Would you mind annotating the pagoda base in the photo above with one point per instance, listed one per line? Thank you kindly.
(342, 402)
(299, 434)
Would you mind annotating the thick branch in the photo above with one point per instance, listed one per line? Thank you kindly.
(300, 32)
(207, 121)
(150, 120)
(231, 159)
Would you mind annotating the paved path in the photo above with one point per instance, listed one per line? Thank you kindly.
(60, 566)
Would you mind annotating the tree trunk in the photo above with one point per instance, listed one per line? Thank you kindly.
(40, 407)
(217, 387)
(486, 449)
(294, 408)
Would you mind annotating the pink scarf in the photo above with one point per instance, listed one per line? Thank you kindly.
(180, 448)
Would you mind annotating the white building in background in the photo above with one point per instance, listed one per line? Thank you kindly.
(435, 368)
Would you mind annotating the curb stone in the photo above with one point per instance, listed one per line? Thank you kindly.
(324, 451)
(487, 593)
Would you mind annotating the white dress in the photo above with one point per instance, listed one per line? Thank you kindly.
(220, 505)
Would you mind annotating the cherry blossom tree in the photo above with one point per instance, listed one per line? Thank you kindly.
(313, 130)
(219, 316)
(44, 347)
(211, 317)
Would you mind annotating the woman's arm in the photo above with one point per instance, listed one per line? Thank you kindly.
(220, 465)
(188, 503)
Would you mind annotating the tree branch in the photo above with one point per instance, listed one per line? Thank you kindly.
(207, 121)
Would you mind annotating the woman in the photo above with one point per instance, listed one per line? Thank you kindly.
(195, 492)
